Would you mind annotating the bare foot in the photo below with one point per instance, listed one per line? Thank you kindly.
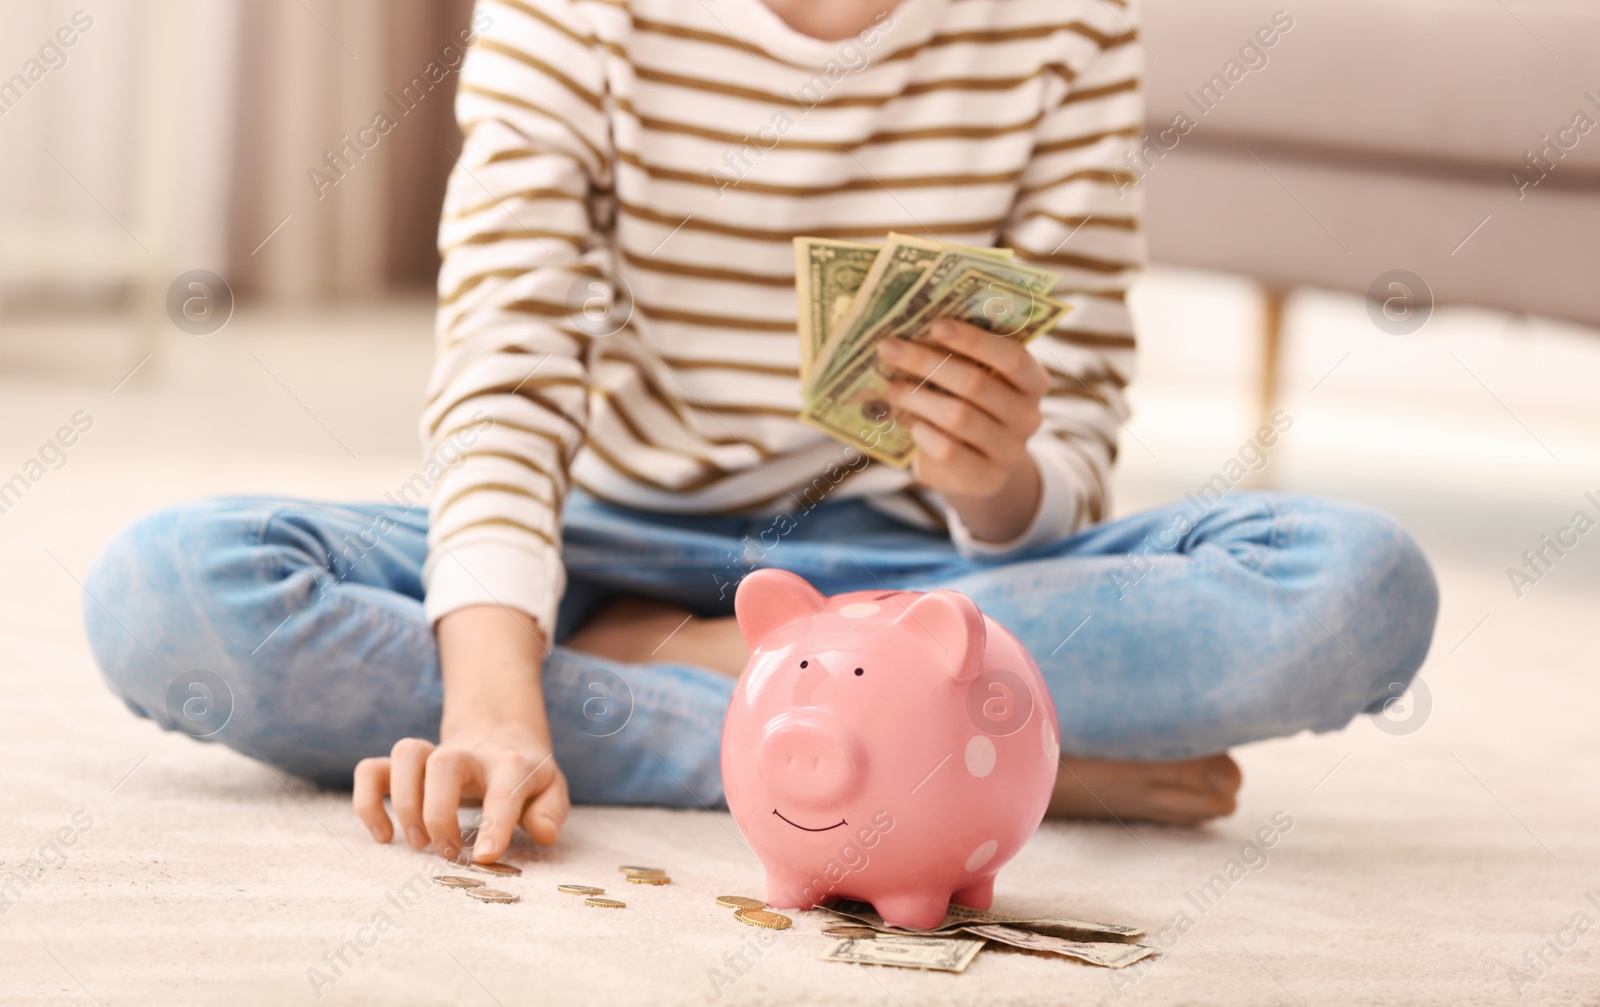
(1177, 793)
(637, 631)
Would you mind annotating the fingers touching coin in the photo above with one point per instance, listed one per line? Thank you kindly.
(426, 784)
(449, 771)
(516, 787)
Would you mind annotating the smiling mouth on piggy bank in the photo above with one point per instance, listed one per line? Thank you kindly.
(803, 828)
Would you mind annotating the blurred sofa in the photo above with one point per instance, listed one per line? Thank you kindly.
(1327, 143)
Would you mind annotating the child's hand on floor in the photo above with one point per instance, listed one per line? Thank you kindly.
(974, 400)
(512, 772)
(494, 745)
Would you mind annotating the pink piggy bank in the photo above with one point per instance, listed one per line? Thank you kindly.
(892, 746)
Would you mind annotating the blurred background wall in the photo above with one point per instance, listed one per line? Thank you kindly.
(141, 139)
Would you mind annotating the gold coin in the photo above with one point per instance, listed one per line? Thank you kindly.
(642, 870)
(580, 889)
(858, 932)
(605, 903)
(763, 918)
(649, 879)
(493, 895)
(453, 881)
(740, 902)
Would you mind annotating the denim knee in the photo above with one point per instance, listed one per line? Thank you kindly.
(147, 611)
(1410, 580)
(1382, 586)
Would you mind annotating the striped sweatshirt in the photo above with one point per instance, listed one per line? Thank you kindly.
(657, 157)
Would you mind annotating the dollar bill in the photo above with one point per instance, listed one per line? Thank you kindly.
(853, 406)
(894, 272)
(827, 274)
(899, 265)
(945, 954)
(920, 305)
(1005, 306)
(957, 916)
(1111, 956)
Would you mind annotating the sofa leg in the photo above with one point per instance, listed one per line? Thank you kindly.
(1272, 305)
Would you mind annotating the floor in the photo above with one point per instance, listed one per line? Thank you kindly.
(1444, 855)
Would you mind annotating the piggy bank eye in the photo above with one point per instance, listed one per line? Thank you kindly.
(861, 671)
(804, 663)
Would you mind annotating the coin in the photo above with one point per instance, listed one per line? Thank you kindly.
(454, 881)
(649, 879)
(856, 932)
(504, 870)
(580, 889)
(493, 895)
(763, 918)
(641, 870)
(740, 902)
(605, 903)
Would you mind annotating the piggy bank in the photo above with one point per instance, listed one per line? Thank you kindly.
(892, 746)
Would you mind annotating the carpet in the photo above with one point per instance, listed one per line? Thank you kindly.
(1445, 856)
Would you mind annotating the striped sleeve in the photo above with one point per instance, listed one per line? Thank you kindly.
(1077, 214)
(507, 400)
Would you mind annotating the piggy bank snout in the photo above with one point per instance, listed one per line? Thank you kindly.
(809, 762)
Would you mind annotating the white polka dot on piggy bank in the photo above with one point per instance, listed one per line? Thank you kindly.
(892, 746)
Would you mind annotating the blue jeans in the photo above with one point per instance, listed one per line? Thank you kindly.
(274, 627)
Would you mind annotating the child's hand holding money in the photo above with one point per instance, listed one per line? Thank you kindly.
(972, 399)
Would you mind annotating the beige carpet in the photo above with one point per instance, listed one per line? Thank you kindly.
(1420, 867)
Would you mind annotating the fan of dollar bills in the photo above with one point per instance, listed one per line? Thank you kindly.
(950, 947)
(852, 296)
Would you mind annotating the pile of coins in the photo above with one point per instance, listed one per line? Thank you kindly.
(475, 888)
(645, 875)
(754, 912)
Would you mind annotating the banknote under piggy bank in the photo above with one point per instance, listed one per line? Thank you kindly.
(892, 746)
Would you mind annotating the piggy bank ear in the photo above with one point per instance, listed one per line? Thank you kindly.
(955, 626)
(769, 598)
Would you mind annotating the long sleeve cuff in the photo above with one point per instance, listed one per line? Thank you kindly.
(1055, 519)
(530, 580)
